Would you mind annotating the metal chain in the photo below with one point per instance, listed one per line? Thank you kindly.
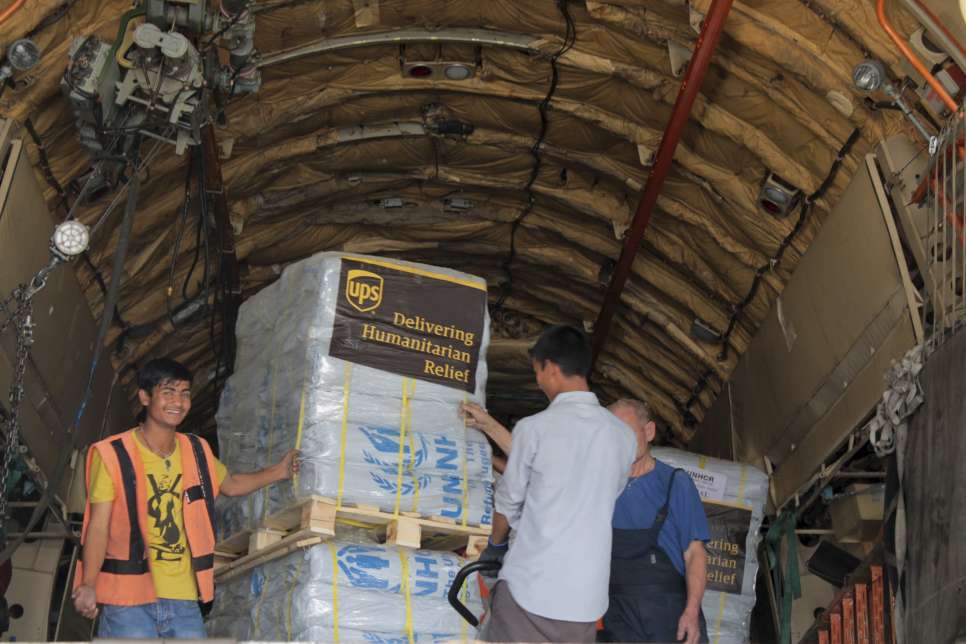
(5, 311)
(11, 426)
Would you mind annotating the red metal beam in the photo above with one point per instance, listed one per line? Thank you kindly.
(690, 86)
(913, 59)
(878, 606)
(848, 619)
(861, 614)
(836, 627)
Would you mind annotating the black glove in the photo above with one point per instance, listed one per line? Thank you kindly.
(493, 552)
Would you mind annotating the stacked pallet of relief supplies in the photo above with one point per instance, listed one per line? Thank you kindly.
(349, 591)
(360, 363)
(734, 497)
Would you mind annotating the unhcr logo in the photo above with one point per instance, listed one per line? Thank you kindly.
(363, 290)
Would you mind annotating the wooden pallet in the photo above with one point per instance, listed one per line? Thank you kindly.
(315, 519)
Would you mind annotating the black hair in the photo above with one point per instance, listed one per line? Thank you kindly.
(565, 346)
(160, 371)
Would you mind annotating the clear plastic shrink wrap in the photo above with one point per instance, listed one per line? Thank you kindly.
(360, 363)
(734, 497)
(347, 592)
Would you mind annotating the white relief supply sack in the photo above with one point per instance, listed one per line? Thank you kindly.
(348, 592)
(361, 363)
(734, 497)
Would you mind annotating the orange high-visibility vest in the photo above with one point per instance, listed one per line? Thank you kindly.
(125, 578)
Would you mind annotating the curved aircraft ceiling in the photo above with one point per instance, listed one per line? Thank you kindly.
(341, 150)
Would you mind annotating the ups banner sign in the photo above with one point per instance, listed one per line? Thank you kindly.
(409, 321)
(726, 549)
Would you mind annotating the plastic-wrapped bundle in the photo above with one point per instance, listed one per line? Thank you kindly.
(344, 591)
(369, 395)
(734, 497)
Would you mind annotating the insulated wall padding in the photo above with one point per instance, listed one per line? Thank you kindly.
(734, 497)
(349, 592)
(379, 424)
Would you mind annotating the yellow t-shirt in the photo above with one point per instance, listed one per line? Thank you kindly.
(167, 545)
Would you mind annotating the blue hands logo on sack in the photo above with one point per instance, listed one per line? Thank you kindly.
(385, 440)
(359, 563)
(408, 487)
(372, 567)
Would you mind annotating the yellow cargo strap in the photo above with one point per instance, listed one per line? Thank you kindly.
(298, 434)
(722, 601)
(465, 472)
(335, 592)
(271, 440)
(407, 593)
(412, 446)
(402, 446)
(346, 388)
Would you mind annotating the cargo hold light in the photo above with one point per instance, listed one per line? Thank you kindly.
(71, 238)
(869, 75)
(420, 71)
(438, 70)
(457, 72)
(777, 197)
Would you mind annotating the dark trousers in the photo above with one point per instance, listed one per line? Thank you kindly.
(507, 621)
(650, 618)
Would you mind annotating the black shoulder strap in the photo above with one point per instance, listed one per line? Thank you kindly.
(665, 509)
(204, 475)
(136, 562)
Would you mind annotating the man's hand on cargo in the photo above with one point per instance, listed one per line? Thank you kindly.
(688, 627)
(493, 552)
(242, 484)
(289, 465)
(85, 601)
(476, 417)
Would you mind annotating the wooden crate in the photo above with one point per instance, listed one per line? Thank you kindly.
(315, 519)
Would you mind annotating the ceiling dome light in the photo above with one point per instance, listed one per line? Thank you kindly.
(771, 207)
(23, 54)
(458, 72)
(869, 75)
(420, 71)
(71, 238)
(777, 197)
(774, 194)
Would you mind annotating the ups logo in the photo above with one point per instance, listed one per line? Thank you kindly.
(363, 290)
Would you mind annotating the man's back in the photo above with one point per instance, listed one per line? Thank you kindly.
(568, 465)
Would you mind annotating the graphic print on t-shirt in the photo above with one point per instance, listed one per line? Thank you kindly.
(163, 506)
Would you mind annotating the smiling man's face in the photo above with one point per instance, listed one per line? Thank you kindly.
(168, 404)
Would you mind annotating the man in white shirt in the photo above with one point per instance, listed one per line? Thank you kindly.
(568, 465)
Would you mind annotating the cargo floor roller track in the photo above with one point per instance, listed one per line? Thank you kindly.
(315, 519)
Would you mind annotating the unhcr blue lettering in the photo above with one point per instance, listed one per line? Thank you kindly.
(425, 587)
(424, 567)
(453, 505)
(446, 453)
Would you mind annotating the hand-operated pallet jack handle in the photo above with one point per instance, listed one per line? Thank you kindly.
(459, 580)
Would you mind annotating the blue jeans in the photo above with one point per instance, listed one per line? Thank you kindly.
(166, 618)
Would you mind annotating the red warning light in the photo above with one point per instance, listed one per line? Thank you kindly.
(420, 71)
